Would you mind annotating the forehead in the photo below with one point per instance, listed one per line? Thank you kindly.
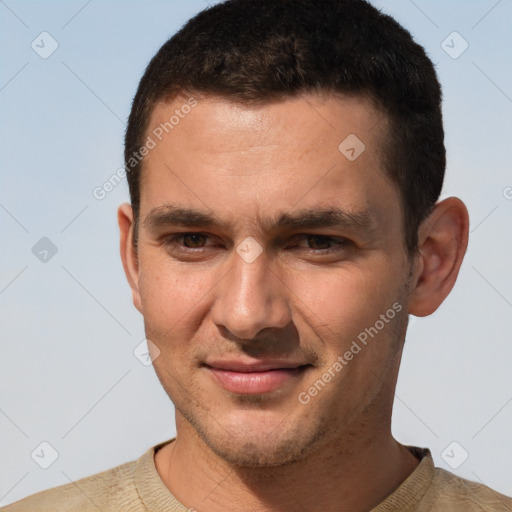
(254, 161)
(315, 119)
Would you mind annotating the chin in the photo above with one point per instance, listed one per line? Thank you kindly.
(251, 445)
(245, 451)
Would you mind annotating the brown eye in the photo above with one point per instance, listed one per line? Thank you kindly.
(193, 240)
(320, 245)
(318, 242)
(186, 243)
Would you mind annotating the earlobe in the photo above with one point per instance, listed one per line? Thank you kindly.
(442, 243)
(128, 252)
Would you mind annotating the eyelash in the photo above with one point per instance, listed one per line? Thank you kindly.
(169, 242)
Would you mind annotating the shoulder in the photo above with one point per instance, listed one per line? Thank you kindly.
(453, 493)
(113, 489)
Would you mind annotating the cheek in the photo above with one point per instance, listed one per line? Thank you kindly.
(172, 295)
(342, 302)
(173, 304)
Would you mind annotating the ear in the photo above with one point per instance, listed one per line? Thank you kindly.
(442, 243)
(129, 252)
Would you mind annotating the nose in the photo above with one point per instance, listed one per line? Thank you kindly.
(250, 298)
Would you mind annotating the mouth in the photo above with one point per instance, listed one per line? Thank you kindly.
(256, 378)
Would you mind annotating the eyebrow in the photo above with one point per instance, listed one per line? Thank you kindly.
(309, 218)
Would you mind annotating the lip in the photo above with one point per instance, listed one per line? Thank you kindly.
(255, 378)
(255, 366)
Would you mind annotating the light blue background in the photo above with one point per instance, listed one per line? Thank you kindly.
(67, 371)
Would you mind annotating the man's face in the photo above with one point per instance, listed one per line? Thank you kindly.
(248, 328)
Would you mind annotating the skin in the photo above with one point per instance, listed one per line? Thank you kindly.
(247, 165)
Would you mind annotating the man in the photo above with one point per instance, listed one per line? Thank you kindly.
(285, 158)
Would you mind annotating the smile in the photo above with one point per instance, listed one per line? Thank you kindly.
(255, 382)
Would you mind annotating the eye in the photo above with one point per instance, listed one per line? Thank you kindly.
(185, 242)
(323, 243)
(196, 243)
(193, 240)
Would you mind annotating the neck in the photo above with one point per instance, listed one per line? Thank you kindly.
(344, 476)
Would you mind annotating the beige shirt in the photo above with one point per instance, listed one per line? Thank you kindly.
(137, 487)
